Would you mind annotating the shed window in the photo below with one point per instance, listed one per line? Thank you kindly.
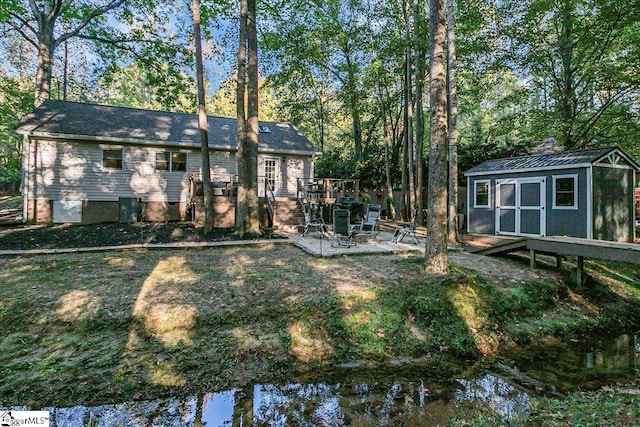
(565, 192)
(481, 194)
(171, 161)
(112, 158)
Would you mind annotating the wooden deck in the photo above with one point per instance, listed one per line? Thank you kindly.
(558, 246)
(600, 249)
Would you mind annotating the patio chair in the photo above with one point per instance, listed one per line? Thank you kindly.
(316, 224)
(369, 225)
(407, 230)
(343, 232)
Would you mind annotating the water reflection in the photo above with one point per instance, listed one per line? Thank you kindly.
(359, 404)
(567, 366)
(500, 396)
(296, 404)
(426, 395)
(218, 408)
(585, 364)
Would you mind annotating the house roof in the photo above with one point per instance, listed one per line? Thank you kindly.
(103, 123)
(551, 161)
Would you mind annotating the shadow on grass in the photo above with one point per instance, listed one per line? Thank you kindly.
(92, 328)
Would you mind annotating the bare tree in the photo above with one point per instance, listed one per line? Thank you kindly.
(436, 254)
(202, 120)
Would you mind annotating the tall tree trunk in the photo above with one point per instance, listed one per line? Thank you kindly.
(320, 110)
(568, 96)
(42, 36)
(436, 254)
(247, 215)
(65, 71)
(453, 119)
(352, 87)
(388, 135)
(202, 121)
(419, 110)
(241, 203)
(408, 122)
(45, 66)
(252, 222)
(404, 194)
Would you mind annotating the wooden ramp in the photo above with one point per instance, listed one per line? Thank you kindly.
(556, 245)
(600, 249)
(482, 244)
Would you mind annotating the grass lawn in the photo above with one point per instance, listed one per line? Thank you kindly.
(110, 327)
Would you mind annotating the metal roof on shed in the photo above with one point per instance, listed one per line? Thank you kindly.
(105, 123)
(561, 160)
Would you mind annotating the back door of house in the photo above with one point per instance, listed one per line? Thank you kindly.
(520, 207)
(268, 173)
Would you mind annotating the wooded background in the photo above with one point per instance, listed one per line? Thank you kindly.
(352, 75)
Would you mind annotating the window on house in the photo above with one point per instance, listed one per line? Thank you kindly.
(481, 194)
(565, 192)
(179, 161)
(171, 161)
(112, 158)
(162, 161)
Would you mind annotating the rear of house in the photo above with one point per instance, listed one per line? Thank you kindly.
(582, 193)
(94, 163)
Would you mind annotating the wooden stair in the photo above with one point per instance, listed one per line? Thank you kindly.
(289, 215)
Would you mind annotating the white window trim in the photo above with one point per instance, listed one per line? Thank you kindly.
(170, 163)
(112, 148)
(475, 193)
(575, 192)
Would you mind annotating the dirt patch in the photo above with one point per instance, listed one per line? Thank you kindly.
(511, 270)
(60, 236)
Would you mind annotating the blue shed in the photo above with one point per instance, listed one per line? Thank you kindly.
(582, 193)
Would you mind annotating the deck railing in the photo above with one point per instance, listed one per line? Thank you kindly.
(271, 203)
(326, 190)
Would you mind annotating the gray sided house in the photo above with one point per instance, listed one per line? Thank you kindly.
(81, 161)
(584, 193)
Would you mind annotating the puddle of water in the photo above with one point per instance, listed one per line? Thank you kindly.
(413, 395)
(585, 364)
(360, 404)
(218, 408)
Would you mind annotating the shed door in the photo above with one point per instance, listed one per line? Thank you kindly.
(506, 207)
(520, 207)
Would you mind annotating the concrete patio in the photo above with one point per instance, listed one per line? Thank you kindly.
(381, 244)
